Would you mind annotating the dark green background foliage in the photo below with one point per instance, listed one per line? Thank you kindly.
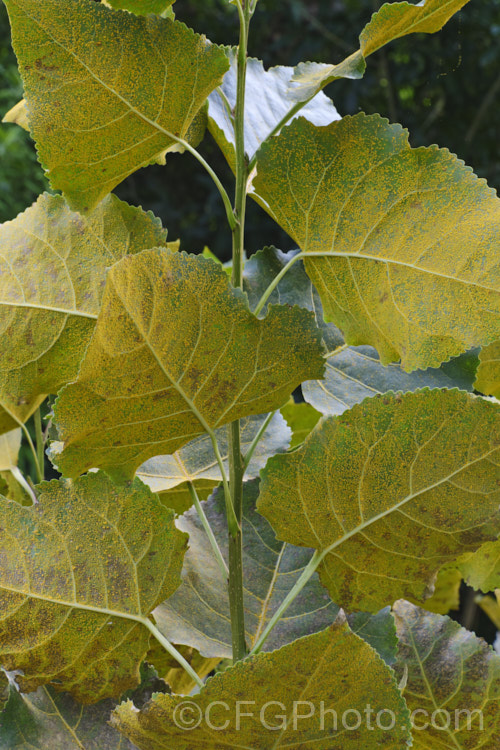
(445, 88)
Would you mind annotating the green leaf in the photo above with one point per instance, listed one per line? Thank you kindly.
(452, 677)
(392, 21)
(268, 99)
(333, 669)
(46, 719)
(481, 570)
(142, 7)
(146, 388)
(53, 266)
(80, 572)
(389, 492)
(379, 630)
(196, 462)
(108, 119)
(198, 613)
(355, 373)
(488, 374)
(301, 419)
(400, 225)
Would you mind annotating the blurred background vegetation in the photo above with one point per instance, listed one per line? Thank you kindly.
(445, 88)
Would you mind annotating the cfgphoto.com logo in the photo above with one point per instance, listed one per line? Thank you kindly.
(274, 716)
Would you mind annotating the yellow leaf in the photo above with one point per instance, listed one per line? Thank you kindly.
(18, 115)
(401, 225)
(389, 492)
(93, 118)
(488, 374)
(176, 353)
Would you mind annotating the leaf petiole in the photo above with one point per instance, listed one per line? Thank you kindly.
(206, 525)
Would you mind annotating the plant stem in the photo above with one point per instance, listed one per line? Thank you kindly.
(236, 466)
(172, 651)
(24, 484)
(292, 594)
(40, 443)
(256, 440)
(208, 529)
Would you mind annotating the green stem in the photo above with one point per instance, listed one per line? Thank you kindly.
(286, 118)
(40, 442)
(308, 571)
(231, 517)
(256, 440)
(236, 466)
(172, 651)
(208, 529)
(274, 283)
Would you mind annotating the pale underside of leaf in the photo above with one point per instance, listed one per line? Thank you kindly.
(390, 492)
(452, 676)
(196, 461)
(146, 388)
(80, 571)
(53, 265)
(10, 443)
(400, 225)
(198, 613)
(334, 667)
(390, 22)
(269, 97)
(93, 119)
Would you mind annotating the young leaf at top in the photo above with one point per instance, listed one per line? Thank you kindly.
(333, 669)
(401, 225)
(146, 388)
(488, 373)
(80, 573)
(198, 613)
(46, 719)
(195, 462)
(268, 97)
(453, 682)
(94, 116)
(389, 492)
(53, 265)
(391, 21)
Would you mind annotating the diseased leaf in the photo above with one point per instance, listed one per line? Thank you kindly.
(334, 669)
(488, 374)
(481, 570)
(196, 461)
(428, 229)
(93, 119)
(53, 265)
(391, 21)
(146, 388)
(269, 97)
(142, 7)
(354, 373)
(301, 418)
(453, 679)
(79, 573)
(18, 115)
(389, 492)
(198, 613)
(446, 594)
(46, 719)
(4, 692)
